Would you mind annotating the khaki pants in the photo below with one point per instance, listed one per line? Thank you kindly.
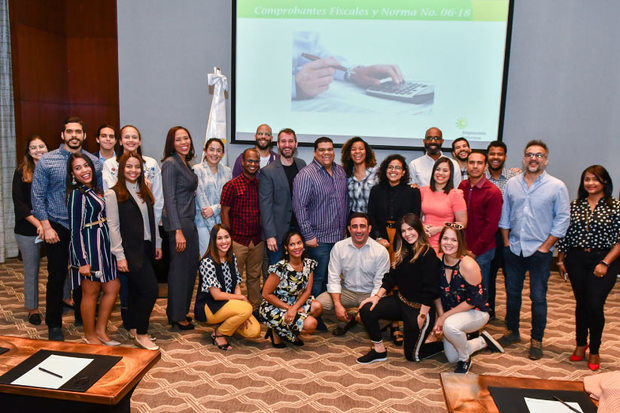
(349, 299)
(249, 264)
(233, 316)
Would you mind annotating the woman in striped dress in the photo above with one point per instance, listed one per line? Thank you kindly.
(93, 267)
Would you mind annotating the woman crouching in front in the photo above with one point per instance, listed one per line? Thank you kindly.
(464, 306)
(288, 309)
(415, 271)
(219, 298)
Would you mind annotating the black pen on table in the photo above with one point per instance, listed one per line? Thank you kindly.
(50, 372)
(566, 404)
(313, 58)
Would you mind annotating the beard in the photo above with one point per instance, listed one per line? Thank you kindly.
(432, 148)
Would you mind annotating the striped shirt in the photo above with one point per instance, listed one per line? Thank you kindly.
(49, 185)
(320, 202)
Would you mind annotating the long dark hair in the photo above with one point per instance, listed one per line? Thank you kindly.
(212, 251)
(345, 155)
(402, 248)
(285, 242)
(26, 167)
(449, 185)
(461, 250)
(119, 147)
(383, 179)
(169, 146)
(122, 194)
(603, 177)
(72, 183)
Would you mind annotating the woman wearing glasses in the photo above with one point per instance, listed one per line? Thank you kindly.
(588, 254)
(389, 201)
(464, 307)
(441, 202)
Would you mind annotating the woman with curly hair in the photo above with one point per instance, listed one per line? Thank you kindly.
(359, 163)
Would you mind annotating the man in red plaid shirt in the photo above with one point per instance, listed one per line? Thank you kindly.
(241, 213)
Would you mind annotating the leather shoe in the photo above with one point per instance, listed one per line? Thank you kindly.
(55, 334)
(34, 318)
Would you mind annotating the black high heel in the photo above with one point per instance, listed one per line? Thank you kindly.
(176, 324)
(223, 347)
(269, 335)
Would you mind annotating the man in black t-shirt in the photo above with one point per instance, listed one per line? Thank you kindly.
(275, 194)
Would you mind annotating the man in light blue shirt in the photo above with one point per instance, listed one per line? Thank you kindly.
(535, 214)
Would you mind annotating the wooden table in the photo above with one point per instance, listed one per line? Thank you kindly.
(111, 393)
(470, 392)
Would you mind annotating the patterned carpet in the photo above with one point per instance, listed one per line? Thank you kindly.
(194, 376)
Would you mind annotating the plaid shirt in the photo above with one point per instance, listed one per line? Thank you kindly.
(241, 195)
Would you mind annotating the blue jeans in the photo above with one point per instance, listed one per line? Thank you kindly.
(539, 266)
(484, 262)
(321, 255)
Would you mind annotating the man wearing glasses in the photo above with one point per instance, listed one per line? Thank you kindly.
(535, 214)
(263, 139)
(241, 213)
(422, 167)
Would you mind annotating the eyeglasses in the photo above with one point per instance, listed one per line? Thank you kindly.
(394, 168)
(534, 155)
(433, 138)
(251, 161)
(454, 225)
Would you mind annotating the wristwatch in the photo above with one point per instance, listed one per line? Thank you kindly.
(604, 263)
(423, 315)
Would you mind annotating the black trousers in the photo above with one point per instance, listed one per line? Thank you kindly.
(392, 308)
(496, 264)
(57, 270)
(590, 294)
(182, 272)
(142, 289)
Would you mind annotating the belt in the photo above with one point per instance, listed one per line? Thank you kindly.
(407, 302)
(390, 224)
(92, 224)
(591, 249)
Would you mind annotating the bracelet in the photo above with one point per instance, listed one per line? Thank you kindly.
(604, 263)
(423, 315)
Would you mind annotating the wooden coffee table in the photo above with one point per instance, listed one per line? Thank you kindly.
(111, 393)
(470, 392)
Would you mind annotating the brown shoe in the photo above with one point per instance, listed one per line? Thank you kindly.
(536, 350)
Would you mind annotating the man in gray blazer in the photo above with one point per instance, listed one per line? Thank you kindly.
(275, 193)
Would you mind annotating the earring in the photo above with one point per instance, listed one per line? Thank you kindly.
(73, 181)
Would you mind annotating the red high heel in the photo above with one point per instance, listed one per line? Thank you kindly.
(594, 362)
(573, 357)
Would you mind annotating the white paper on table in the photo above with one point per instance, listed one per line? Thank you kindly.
(67, 367)
(549, 406)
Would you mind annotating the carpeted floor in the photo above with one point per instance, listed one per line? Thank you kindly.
(194, 376)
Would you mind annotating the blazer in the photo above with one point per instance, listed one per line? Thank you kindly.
(179, 183)
(132, 232)
(274, 198)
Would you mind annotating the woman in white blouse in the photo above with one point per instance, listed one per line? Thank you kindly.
(211, 178)
(135, 242)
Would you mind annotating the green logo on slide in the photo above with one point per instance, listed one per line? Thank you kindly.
(461, 123)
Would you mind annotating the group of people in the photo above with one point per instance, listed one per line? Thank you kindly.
(418, 245)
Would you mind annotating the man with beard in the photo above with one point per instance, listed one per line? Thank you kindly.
(460, 152)
(422, 167)
(535, 215)
(498, 175)
(321, 206)
(263, 139)
(49, 192)
(240, 213)
(275, 195)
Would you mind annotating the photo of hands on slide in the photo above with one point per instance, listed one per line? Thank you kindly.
(317, 73)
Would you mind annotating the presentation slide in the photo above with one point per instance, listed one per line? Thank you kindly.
(383, 70)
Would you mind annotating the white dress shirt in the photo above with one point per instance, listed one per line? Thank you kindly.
(421, 169)
(362, 269)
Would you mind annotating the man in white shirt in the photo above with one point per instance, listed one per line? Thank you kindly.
(355, 272)
(422, 167)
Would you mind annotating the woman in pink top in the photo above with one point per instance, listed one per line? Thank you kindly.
(441, 202)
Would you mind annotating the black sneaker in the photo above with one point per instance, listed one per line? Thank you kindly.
(509, 338)
(462, 366)
(372, 356)
(492, 344)
(55, 334)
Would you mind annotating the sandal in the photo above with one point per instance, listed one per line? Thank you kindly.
(397, 336)
(224, 347)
